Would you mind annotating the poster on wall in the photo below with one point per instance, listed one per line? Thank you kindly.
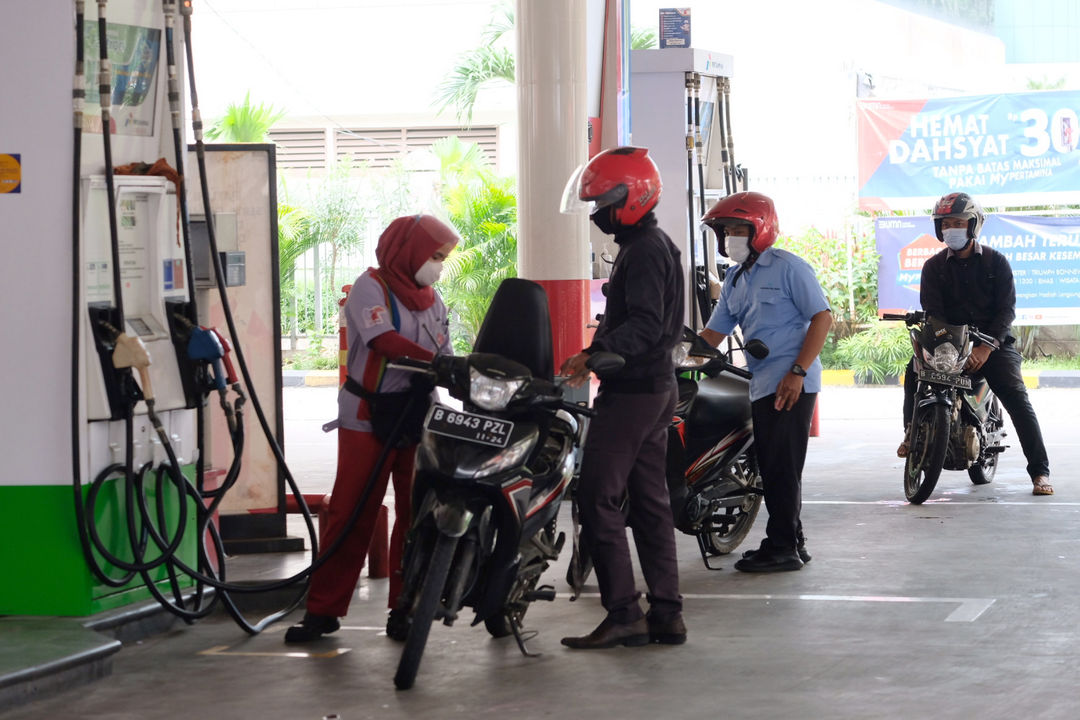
(134, 53)
(1009, 149)
(1044, 253)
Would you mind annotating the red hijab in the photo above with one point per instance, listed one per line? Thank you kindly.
(405, 245)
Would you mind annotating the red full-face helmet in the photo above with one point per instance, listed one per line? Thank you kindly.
(625, 178)
(746, 208)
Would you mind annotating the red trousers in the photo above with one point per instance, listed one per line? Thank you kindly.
(333, 583)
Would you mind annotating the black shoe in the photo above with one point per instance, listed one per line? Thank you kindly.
(671, 631)
(397, 625)
(609, 634)
(312, 627)
(764, 561)
(801, 549)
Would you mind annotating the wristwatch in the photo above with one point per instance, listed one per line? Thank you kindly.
(797, 369)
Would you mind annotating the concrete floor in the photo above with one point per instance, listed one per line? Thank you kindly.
(963, 607)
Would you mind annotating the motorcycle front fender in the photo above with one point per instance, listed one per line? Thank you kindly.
(932, 395)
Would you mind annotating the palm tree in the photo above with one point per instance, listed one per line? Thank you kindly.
(245, 123)
(485, 214)
(491, 63)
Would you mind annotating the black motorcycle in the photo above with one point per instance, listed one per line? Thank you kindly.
(957, 422)
(490, 477)
(713, 479)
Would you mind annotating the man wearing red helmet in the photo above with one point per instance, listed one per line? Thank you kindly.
(773, 296)
(626, 449)
(971, 284)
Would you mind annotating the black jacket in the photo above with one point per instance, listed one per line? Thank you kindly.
(978, 291)
(643, 319)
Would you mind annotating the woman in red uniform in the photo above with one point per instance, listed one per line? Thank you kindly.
(392, 311)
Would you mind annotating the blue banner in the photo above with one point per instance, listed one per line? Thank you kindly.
(1044, 253)
(1009, 149)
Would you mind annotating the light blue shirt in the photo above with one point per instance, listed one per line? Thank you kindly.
(773, 302)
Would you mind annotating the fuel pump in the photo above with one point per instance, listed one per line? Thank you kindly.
(140, 364)
(680, 110)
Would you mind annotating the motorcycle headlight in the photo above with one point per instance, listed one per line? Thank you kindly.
(945, 358)
(491, 393)
(508, 457)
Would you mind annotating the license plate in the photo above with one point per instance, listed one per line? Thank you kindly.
(469, 426)
(960, 381)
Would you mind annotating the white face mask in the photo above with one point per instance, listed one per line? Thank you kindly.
(429, 273)
(955, 238)
(738, 248)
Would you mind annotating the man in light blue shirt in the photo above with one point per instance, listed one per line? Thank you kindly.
(773, 296)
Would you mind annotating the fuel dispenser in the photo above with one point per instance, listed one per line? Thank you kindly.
(680, 108)
(115, 412)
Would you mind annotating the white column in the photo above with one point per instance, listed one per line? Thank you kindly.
(553, 249)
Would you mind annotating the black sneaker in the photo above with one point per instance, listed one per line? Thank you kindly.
(312, 627)
(801, 549)
(397, 625)
(765, 561)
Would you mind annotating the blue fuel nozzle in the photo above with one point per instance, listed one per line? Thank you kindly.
(204, 345)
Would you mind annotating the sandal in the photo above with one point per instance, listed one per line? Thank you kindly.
(1041, 486)
(902, 451)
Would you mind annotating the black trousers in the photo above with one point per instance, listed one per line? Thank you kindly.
(780, 439)
(625, 454)
(1002, 373)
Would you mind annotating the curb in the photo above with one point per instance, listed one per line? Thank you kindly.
(309, 378)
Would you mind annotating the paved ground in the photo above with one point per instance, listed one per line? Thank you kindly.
(964, 607)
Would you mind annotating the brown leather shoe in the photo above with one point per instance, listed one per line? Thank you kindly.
(1041, 485)
(671, 631)
(609, 634)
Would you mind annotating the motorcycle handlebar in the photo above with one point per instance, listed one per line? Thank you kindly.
(910, 318)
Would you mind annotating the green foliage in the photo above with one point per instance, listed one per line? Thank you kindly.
(245, 123)
(880, 351)
(846, 267)
(490, 62)
(643, 39)
(1045, 84)
(319, 355)
(483, 208)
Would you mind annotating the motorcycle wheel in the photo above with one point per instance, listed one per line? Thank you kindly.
(983, 471)
(930, 440)
(723, 538)
(424, 614)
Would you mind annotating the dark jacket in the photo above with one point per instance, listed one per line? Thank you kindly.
(978, 291)
(643, 319)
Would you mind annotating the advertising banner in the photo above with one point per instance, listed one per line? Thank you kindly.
(1044, 253)
(1009, 149)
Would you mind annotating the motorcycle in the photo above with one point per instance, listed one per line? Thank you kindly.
(957, 422)
(490, 477)
(714, 484)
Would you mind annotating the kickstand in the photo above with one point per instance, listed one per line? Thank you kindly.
(521, 637)
(705, 554)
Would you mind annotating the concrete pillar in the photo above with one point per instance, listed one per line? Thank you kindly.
(553, 249)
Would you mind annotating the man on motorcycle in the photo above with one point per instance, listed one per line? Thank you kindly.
(971, 284)
(625, 451)
(773, 296)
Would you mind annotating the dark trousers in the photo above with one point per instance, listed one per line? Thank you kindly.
(780, 439)
(624, 455)
(1002, 373)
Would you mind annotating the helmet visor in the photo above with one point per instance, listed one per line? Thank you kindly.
(572, 204)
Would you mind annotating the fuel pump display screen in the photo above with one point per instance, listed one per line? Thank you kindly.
(140, 327)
